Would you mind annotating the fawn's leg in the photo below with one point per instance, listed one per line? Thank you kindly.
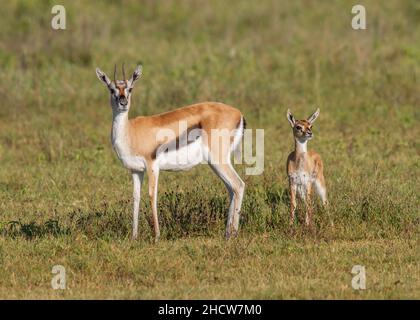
(292, 188)
(321, 190)
(308, 205)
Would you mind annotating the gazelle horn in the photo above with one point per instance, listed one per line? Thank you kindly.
(123, 71)
(115, 72)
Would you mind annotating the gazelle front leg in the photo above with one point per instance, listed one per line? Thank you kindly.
(137, 183)
(153, 174)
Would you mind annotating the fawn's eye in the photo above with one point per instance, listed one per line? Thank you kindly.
(130, 89)
(299, 128)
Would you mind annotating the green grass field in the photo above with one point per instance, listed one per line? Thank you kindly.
(65, 198)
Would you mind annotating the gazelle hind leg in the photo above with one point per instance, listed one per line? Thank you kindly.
(236, 188)
(240, 185)
(218, 155)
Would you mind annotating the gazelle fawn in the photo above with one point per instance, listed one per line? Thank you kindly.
(305, 169)
(154, 143)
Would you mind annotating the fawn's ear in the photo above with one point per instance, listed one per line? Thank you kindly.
(313, 117)
(136, 75)
(291, 118)
(102, 76)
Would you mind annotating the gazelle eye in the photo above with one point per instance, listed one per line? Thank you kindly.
(129, 90)
(298, 128)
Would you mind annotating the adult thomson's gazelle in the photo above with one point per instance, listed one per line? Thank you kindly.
(155, 143)
(304, 168)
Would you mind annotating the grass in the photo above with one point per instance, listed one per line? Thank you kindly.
(259, 267)
(65, 199)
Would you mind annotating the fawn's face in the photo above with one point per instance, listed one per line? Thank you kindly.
(302, 129)
(120, 90)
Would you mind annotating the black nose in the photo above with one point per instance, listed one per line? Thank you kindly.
(123, 100)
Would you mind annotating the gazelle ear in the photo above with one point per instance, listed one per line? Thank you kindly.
(291, 118)
(102, 76)
(136, 75)
(313, 117)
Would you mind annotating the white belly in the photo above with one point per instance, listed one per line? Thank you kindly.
(183, 158)
(302, 180)
(135, 163)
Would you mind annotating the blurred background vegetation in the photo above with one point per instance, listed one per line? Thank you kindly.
(59, 178)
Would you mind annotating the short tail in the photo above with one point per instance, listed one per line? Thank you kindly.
(237, 145)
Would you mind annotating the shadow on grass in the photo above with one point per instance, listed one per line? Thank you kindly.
(33, 229)
(181, 214)
(190, 214)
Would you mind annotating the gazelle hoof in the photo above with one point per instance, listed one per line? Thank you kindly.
(292, 231)
(233, 234)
